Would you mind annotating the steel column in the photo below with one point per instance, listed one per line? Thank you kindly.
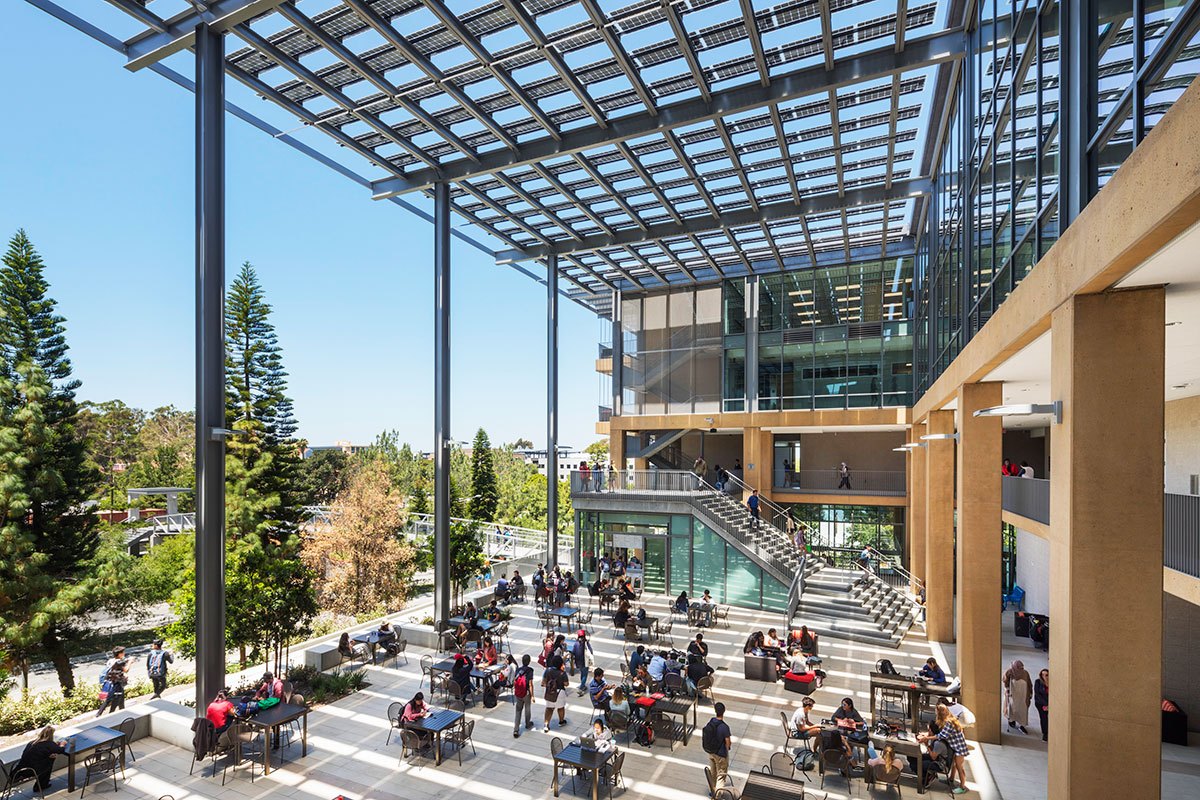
(551, 410)
(1078, 87)
(210, 364)
(441, 401)
(751, 359)
(618, 356)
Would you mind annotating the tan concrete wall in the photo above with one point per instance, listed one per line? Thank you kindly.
(939, 526)
(1182, 460)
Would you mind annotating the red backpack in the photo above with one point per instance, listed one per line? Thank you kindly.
(521, 685)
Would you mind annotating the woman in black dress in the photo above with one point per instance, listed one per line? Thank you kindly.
(39, 756)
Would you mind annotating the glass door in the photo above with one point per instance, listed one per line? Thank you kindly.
(656, 565)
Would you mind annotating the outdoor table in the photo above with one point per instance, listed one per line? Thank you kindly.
(706, 609)
(270, 720)
(485, 674)
(371, 639)
(84, 742)
(446, 665)
(762, 786)
(678, 706)
(907, 746)
(436, 723)
(564, 614)
(915, 697)
(573, 756)
(482, 624)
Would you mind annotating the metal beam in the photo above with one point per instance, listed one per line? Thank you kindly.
(153, 46)
(943, 47)
(210, 363)
(441, 402)
(812, 204)
(551, 410)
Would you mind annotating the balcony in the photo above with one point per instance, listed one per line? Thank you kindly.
(1026, 497)
(827, 481)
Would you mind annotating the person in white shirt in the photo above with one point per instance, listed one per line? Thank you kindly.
(804, 727)
(1026, 470)
(958, 710)
(602, 735)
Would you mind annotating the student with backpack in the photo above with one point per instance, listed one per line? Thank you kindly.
(156, 667)
(554, 684)
(523, 695)
(581, 649)
(112, 686)
(717, 739)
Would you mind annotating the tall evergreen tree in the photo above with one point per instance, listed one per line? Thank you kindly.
(485, 496)
(263, 504)
(33, 355)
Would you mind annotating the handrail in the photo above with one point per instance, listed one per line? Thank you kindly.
(779, 511)
(796, 590)
(907, 597)
(913, 580)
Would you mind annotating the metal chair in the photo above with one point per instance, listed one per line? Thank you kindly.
(781, 764)
(126, 727)
(473, 636)
(461, 736)
(585, 622)
(103, 761)
(394, 724)
(556, 747)
(241, 737)
(456, 705)
(705, 686)
(663, 632)
(14, 776)
(426, 672)
(838, 761)
(788, 732)
(447, 643)
(632, 633)
(410, 744)
(721, 613)
(672, 684)
(618, 723)
(613, 775)
(887, 775)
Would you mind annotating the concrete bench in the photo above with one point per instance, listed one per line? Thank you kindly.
(142, 728)
(322, 656)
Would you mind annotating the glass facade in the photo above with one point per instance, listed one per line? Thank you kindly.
(1007, 181)
(680, 553)
(672, 349)
(851, 527)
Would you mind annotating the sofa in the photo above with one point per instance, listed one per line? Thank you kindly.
(760, 668)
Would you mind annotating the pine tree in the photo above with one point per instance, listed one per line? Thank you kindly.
(485, 495)
(270, 594)
(33, 359)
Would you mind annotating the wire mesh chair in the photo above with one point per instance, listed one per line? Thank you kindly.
(102, 762)
(394, 724)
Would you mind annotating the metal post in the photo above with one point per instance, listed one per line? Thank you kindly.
(551, 410)
(441, 401)
(1078, 87)
(618, 356)
(210, 365)
(751, 360)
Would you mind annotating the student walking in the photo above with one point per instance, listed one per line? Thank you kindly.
(844, 477)
(700, 469)
(112, 687)
(156, 666)
(717, 739)
(554, 686)
(1018, 689)
(1041, 699)
(752, 504)
(523, 695)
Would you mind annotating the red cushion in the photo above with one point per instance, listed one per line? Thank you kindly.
(807, 677)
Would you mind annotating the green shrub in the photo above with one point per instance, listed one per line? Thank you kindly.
(18, 715)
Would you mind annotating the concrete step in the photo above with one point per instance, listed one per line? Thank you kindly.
(840, 628)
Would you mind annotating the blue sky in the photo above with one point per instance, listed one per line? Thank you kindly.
(96, 163)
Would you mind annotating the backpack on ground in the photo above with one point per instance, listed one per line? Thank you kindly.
(645, 735)
(885, 667)
(806, 760)
(489, 697)
(521, 685)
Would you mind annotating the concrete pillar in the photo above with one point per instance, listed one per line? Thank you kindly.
(616, 448)
(915, 523)
(939, 525)
(980, 453)
(757, 445)
(1106, 544)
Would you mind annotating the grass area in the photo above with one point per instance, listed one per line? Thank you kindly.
(91, 642)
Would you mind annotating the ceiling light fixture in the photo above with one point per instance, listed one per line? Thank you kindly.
(1024, 410)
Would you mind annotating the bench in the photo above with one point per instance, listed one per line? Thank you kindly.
(760, 668)
(322, 656)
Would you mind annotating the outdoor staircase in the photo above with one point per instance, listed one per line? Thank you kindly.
(845, 603)
(766, 539)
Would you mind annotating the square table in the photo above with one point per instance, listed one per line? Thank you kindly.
(761, 786)
(678, 706)
(564, 614)
(436, 724)
(482, 624)
(85, 742)
(371, 639)
(573, 755)
(270, 720)
(907, 746)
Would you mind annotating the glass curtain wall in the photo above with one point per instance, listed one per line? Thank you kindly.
(851, 527)
(679, 553)
(995, 209)
(835, 337)
(673, 352)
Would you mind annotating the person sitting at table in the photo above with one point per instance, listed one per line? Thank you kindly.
(681, 604)
(619, 702)
(771, 640)
(415, 710)
(470, 614)
(805, 640)
(602, 737)
(755, 642)
(350, 649)
(501, 591)
(799, 662)
(696, 669)
(698, 647)
(38, 756)
(847, 715)
(657, 667)
(221, 713)
(598, 691)
(950, 732)
(642, 681)
(386, 633)
(706, 598)
(834, 740)
(803, 727)
(492, 612)
(517, 581)
(637, 658)
(486, 655)
(887, 759)
(508, 675)
(932, 672)
(270, 687)
(596, 586)
(622, 615)
(627, 592)
(460, 673)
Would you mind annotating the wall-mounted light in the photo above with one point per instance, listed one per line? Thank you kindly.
(901, 450)
(931, 437)
(913, 445)
(1024, 410)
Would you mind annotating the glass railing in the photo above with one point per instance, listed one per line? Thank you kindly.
(881, 482)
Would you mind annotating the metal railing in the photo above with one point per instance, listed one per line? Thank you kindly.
(500, 542)
(1026, 497)
(796, 590)
(889, 564)
(676, 482)
(165, 524)
(878, 482)
(1181, 533)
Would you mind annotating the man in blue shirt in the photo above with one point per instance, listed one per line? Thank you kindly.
(658, 667)
(752, 504)
(717, 739)
(579, 650)
(598, 690)
(637, 659)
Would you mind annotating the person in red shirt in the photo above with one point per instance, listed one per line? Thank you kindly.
(221, 713)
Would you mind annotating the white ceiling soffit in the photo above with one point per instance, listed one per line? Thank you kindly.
(839, 429)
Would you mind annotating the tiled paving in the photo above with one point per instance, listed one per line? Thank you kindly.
(348, 755)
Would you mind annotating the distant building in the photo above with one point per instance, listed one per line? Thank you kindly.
(568, 461)
(345, 447)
